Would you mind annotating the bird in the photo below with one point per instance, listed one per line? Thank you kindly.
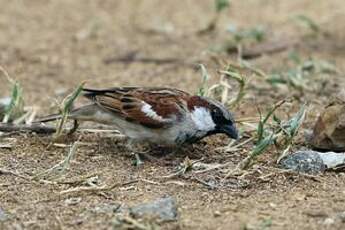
(157, 115)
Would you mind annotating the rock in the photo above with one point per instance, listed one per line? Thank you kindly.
(329, 129)
(3, 103)
(313, 162)
(328, 221)
(163, 208)
(108, 208)
(307, 161)
(217, 214)
(341, 217)
(3, 215)
(333, 160)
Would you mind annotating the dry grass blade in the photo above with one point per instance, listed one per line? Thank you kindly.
(9, 172)
(126, 223)
(235, 75)
(232, 148)
(66, 107)
(203, 89)
(61, 167)
(185, 166)
(97, 188)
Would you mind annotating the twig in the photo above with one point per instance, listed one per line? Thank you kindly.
(127, 222)
(230, 148)
(247, 119)
(74, 181)
(187, 165)
(6, 145)
(32, 116)
(133, 56)
(269, 47)
(208, 185)
(44, 129)
(220, 166)
(97, 189)
(8, 172)
(37, 128)
(289, 171)
(150, 182)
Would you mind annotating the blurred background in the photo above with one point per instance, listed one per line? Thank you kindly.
(51, 46)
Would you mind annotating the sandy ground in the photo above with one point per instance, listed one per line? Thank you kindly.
(51, 46)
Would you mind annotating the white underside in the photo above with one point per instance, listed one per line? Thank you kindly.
(166, 136)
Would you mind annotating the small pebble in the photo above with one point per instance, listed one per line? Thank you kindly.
(73, 201)
(163, 208)
(328, 221)
(3, 215)
(217, 214)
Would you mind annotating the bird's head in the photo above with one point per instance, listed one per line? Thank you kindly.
(212, 117)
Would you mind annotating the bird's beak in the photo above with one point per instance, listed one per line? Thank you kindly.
(230, 131)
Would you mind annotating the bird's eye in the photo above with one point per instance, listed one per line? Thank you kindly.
(218, 117)
(216, 114)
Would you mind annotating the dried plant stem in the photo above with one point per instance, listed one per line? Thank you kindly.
(98, 188)
(9, 172)
(242, 83)
(37, 128)
(131, 223)
(61, 167)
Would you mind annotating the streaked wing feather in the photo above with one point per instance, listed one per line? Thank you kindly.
(150, 107)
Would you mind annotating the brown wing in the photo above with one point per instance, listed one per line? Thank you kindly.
(150, 107)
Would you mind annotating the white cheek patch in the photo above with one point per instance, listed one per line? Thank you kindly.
(202, 119)
(147, 109)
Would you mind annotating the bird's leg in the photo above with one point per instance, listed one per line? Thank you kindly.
(74, 128)
(137, 150)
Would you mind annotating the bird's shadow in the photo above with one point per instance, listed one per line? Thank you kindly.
(152, 152)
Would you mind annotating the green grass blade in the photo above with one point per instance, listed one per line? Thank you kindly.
(66, 107)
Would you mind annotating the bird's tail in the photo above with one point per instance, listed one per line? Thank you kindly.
(52, 117)
(86, 112)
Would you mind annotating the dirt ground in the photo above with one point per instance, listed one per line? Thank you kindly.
(51, 46)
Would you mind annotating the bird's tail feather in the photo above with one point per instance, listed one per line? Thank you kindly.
(83, 113)
(52, 117)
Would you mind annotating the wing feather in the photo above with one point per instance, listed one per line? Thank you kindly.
(150, 107)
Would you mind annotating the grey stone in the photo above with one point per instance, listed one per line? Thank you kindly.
(3, 103)
(3, 215)
(163, 208)
(305, 161)
(108, 208)
(332, 159)
(341, 216)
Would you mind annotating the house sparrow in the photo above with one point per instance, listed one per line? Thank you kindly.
(163, 116)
